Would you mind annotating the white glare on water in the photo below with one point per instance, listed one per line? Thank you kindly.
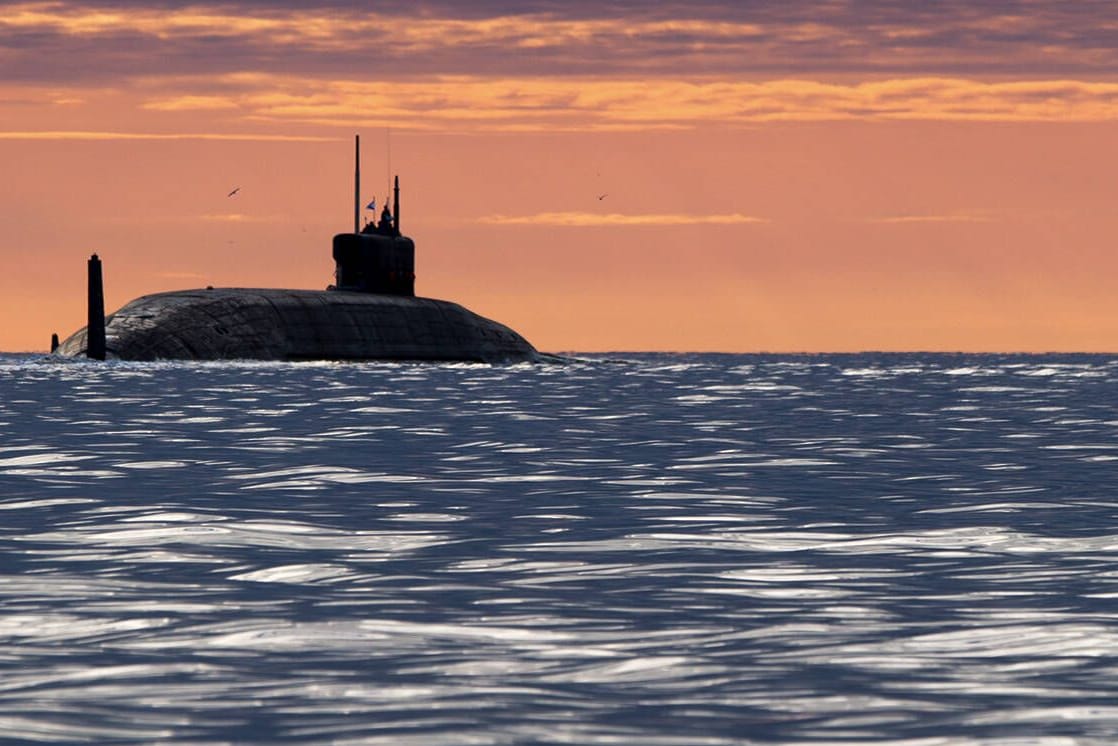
(642, 549)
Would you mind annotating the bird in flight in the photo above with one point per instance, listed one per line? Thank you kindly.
(237, 189)
(602, 197)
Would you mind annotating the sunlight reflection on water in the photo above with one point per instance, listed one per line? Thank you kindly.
(700, 549)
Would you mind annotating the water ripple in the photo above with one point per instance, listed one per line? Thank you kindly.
(652, 549)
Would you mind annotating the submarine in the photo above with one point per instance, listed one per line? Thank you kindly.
(370, 312)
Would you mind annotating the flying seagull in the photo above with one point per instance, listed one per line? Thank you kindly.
(602, 197)
(233, 192)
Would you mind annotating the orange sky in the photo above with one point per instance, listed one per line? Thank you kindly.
(778, 177)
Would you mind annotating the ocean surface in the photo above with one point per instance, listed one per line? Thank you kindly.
(626, 549)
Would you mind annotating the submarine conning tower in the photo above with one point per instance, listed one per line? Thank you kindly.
(376, 258)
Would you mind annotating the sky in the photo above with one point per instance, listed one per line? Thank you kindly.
(738, 176)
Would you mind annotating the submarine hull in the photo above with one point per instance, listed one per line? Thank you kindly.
(271, 324)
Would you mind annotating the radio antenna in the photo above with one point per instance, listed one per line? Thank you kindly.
(357, 183)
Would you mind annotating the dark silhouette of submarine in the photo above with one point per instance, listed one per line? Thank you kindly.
(370, 313)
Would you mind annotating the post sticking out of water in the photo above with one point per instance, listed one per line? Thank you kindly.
(95, 328)
(396, 204)
(357, 183)
(53, 342)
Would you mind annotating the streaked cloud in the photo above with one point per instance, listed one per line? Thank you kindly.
(498, 65)
(81, 41)
(588, 219)
(236, 218)
(921, 219)
(466, 104)
(190, 103)
(284, 108)
(89, 135)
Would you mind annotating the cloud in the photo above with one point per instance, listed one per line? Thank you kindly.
(470, 103)
(586, 219)
(930, 218)
(190, 103)
(127, 39)
(544, 65)
(90, 135)
(253, 107)
(236, 218)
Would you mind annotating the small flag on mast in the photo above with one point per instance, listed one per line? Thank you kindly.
(372, 205)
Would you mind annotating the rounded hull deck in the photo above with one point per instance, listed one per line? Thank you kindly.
(274, 324)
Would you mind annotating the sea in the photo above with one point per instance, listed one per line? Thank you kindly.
(644, 549)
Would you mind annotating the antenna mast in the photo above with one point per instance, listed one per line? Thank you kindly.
(357, 183)
(396, 204)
